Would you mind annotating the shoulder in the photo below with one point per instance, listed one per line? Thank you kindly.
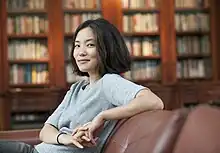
(79, 84)
(112, 77)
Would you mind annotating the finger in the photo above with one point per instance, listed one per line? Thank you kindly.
(85, 138)
(77, 144)
(87, 124)
(74, 131)
(91, 137)
(87, 134)
(79, 134)
(82, 128)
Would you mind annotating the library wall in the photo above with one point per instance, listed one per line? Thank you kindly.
(174, 46)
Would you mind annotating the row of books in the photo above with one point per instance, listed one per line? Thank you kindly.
(25, 4)
(192, 22)
(140, 3)
(71, 4)
(27, 24)
(194, 68)
(144, 70)
(145, 46)
(193, 45)
(28, 120)
(68, 44)
(72, 21)
(192, 3)
(29, 73)
(27, 49)
(28, 117)
(141, 22)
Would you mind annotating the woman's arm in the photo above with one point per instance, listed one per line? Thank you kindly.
(145, 100)
(48, 134)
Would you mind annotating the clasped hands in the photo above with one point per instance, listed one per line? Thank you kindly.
(84, 135)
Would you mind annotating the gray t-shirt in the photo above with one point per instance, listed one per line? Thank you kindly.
(80, 106)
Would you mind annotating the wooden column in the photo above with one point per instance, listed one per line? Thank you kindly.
(167, 40)
(56, 42)
(215, 37)
(112, 11)
(5, 111)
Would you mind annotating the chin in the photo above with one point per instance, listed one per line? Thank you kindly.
(83, 69)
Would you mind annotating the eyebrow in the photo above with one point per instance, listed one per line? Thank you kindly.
(90, 39)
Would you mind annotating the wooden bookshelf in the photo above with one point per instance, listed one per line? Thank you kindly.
(174, 91)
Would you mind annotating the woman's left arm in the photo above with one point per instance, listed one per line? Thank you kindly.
(145, 100)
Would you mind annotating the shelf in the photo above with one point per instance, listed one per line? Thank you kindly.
(193, 10)
(147, 81)
(188, 56)
(25, 61)
(27, 11)
(194, 79)
(192, 33)
(138, 10)
(152, 57)
(83, 10)
(26, 36)
(140, 34)
(26, 85)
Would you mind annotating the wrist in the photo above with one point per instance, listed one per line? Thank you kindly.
(59, 137)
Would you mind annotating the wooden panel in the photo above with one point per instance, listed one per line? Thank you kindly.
(209, 92)
(168, 94)
(5, 110)
(3, 57)
(30, 101)
(215, 37)
(187, 94)
(112, 11)
(167, 40)
(56, 42)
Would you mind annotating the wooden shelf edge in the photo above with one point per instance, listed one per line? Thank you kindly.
(27, 11)
(130, 34)
(25, 61)
(81, 10)
(20, 36)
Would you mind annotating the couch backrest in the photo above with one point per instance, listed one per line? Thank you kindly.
(141, 133)
(200, 133)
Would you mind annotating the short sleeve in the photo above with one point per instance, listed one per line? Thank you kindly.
(118, 90)
(55, 116)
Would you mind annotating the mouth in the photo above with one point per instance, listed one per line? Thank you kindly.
(83, 61)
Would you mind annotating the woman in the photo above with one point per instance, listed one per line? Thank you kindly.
(90, 109)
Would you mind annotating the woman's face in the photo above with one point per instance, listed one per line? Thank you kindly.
(85, 51)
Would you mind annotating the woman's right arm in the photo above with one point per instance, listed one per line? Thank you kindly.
(48, 134)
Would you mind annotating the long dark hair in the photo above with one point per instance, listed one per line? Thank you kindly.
(113, 53)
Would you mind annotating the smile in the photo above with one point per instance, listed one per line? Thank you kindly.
(83, 61)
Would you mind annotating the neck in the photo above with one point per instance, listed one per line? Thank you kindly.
(93, 78)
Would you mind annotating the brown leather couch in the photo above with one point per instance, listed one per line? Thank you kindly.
(194, 130)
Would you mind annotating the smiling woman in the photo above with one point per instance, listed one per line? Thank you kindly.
(91, 109)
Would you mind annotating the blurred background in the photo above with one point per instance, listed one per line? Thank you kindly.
(174, 46)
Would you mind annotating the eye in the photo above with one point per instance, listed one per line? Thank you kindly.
(77, 45)
(90, 45)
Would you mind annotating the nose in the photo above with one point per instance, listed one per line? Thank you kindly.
(82, 51)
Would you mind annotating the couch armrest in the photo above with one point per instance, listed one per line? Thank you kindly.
(28, 136)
